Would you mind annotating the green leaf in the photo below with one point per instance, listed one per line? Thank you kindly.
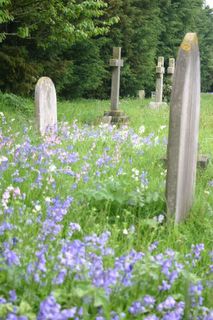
(23, 32)
(83, 289)
(100, 299)
(24, 307)
(5, 308)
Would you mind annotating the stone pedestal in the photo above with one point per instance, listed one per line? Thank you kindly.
(117, 116)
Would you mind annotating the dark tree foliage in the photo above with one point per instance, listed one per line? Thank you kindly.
(179, 17)
(71, 41)
(35, 36)
(205, 32)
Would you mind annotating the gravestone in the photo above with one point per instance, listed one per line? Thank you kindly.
(116, 63)
(141, 94)
(153, 95)
(106, 120)
(46, 105)
(171, 69)
(160, 70)
(183, 129)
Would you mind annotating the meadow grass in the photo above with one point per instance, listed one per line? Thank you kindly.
(102, 179)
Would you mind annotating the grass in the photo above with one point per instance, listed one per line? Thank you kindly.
(117, 182)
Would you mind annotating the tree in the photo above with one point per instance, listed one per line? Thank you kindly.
(204, 29)
(41, 31)
(179, 17)
(136, 33)
(52, 20)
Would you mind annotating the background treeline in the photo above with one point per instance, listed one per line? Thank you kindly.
(71, 42)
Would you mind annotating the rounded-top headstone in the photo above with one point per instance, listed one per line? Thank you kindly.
(46, 105)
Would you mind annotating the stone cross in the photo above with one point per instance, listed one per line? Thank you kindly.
(116, 63)
(183, 129)
(171, 68)
(115, 115)
(160, 70)
(46, 105)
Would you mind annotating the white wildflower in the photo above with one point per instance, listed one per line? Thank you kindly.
(3, 159)
(52, 168)
(37, 207)
(141, 129)
(125, 232)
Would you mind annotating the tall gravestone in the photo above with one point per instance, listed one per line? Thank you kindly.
(183, 129)
(171, 69)
(160, 70)
(116, 63)
(46, 105)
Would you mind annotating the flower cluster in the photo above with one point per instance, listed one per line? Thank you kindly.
(57, 261)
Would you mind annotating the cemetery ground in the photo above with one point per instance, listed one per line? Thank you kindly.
(83, 228)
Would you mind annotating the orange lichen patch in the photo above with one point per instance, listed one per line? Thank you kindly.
(188, 41)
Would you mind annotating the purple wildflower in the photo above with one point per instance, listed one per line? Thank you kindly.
(137, 308)
(13, 296)
(197, 249)
(168, 304)
(11, 257)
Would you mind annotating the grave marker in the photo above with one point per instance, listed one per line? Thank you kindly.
(46, 105)
(160, 70)
(116, 114)
(183, 130)
(171, 69)
(141, 94)
(116, 63)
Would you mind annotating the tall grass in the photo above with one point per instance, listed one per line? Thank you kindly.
(92, 178)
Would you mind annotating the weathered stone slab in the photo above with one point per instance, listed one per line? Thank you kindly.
(183, 130)
(46, 105)
(141, 94)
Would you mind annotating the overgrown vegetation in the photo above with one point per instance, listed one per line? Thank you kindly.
(83, 229)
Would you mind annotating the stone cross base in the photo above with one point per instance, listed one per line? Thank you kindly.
(117, 116)
(157, 105)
